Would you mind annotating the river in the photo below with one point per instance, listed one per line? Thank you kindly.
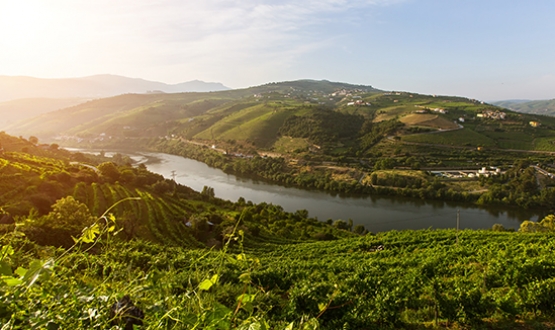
(375, 213)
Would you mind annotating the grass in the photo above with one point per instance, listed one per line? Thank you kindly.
(408, 173)
(428, 120)
(287, 144)
(544, 144)
(462, 137)
(259, 124)
(468, 185)
(392, 112)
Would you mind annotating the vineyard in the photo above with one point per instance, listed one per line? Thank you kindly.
(408, 279)
(79, 241)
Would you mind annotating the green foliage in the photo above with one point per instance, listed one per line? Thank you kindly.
(67, 218)
(322, 125)
(372, 133)
(265, 268)
(376, 281)
(547, 224)
(208, 192)
(110, 171)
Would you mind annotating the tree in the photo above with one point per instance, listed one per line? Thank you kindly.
(384, 164)
(34, 140)
(109, 170)
(341, 224)
(498, 227)
(161, 187)
(359, 229)
(208, 192)
(67, 218)
(548, 222)
(70, 214)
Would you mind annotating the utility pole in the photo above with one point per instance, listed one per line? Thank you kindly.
(458, 222)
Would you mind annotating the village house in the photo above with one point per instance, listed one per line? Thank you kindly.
(495, 115)
(535, 124)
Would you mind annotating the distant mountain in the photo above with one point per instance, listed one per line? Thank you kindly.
(19, 87)
(541, 107)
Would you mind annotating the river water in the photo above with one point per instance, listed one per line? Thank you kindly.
(375, 213)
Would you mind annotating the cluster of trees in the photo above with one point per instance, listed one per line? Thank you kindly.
(372, 133)
(546, 225)
(322, 125)
(518, 186)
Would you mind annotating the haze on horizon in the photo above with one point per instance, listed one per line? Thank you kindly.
(488, 50)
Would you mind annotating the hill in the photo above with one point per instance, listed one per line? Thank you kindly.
(540, 107)
(157, 114)
(18, 110)
(330, 136)
(36, 177)
(20, 87)
(335, 118)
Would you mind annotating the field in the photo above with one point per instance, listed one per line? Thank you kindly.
(408, 279)
(394, 112)
(429, 120)
(462, 137)
(258, 124)
(289, 145)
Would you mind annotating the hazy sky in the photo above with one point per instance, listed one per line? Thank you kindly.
(484, 49)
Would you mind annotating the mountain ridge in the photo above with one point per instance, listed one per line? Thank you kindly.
(103, 85)
(172, 106)
(539, 107)
(292, 117)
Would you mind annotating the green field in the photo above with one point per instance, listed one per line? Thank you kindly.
(460, 138)
(396, 280)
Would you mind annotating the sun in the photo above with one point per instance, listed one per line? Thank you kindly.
(29, 31)
(22, 22)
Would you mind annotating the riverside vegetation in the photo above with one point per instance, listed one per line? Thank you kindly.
(80, 233)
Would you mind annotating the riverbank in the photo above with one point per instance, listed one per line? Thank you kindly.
(376, 213)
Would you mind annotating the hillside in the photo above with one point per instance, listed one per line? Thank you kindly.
(158, 114)
(15, 111)
(540, 107)
(20, 87)
(34, 178)
(396, 280)
(79, 234)
(330, 136)
(336, 118)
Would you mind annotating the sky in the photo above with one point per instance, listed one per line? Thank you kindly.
(483, 49)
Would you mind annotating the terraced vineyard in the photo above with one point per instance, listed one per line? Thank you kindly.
(407, 279)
